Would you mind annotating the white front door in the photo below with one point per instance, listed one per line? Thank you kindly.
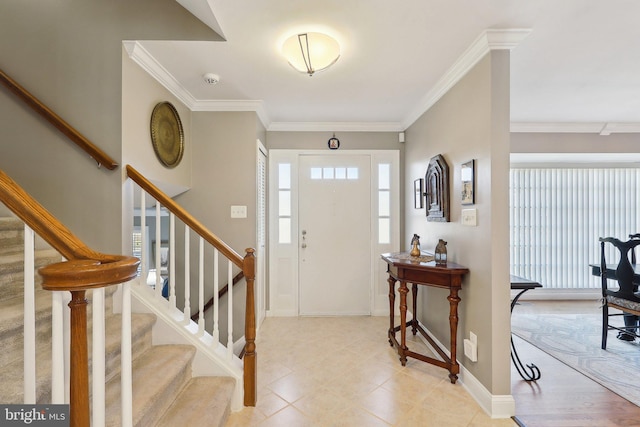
(348, 223)
(334, 257)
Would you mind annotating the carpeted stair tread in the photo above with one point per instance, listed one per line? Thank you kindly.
(204, 400)
(141, 325)
(11, 234)
(12, 325)
(12, 378)
(12, 271)
(158, 375)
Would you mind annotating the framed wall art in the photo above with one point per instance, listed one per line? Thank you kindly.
(436, 185)
(467, 174)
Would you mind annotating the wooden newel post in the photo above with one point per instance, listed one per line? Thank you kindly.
(250, 355)
(77, 276)
(79, 408)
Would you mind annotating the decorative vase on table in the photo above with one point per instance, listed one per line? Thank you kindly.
(415, 246)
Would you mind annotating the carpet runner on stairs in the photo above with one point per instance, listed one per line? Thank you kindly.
(164, 391)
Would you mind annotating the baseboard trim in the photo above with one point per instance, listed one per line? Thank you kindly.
(495, 405)
(281, 313)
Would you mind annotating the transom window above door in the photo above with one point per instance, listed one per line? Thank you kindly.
(334, 173)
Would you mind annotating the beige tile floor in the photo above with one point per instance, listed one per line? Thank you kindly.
(341, 371)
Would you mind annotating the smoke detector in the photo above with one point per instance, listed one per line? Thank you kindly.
(211, 78)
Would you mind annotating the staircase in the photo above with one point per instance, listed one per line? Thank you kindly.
(164, 391)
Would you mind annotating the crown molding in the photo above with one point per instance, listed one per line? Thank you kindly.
(601, 128)
(487, 41)
(148, 63)
(256, 106)
(335, 127)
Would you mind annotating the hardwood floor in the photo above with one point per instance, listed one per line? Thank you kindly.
(563, 396)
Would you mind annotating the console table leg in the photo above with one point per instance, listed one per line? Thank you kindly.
(392, 302)
(454, 299)
(414, 322)
(403, 322)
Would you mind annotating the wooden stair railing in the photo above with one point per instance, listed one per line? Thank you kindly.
(85, 269)
(80, 140)
(247, 264)
(236, 279)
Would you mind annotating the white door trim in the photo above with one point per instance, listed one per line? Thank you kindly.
(283, 257)
(261, 227)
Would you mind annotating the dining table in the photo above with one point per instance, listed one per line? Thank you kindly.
(529, 372)
(610, 272)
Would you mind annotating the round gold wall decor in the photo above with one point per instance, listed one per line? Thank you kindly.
(167, 135)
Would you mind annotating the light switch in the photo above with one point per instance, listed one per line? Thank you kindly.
(238, 211)
(469, 217)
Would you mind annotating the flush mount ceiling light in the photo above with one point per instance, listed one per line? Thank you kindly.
(311, 52)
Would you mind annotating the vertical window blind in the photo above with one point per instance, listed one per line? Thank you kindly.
(558, 214)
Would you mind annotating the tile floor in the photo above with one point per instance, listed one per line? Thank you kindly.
(341, 371)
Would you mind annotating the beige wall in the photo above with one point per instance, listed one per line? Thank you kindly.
(140, 94)
(470, 122)
(68, 54)
(224, 174)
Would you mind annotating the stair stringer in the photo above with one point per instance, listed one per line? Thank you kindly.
(169, 328)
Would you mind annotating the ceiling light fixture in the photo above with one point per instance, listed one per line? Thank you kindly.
(311, 52)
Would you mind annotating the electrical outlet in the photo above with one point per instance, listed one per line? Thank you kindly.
(470, 350)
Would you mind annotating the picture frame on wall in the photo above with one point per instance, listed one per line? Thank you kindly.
(467, 174)
(436, 189)
(417, 193)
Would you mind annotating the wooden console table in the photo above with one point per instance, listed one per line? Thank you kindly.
(422, 270)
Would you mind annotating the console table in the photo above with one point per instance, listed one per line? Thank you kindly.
(422, 270)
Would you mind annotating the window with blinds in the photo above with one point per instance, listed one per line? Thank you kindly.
(558, 214)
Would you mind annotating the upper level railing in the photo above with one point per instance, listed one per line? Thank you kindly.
(246, 264)
(85, 269)
(80, 140)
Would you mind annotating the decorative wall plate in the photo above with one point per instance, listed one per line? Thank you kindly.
(167, 135)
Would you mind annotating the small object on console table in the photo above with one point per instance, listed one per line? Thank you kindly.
(441, 253)
(415, 246)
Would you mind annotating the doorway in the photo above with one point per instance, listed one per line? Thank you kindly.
(334, 258)
(331, 215)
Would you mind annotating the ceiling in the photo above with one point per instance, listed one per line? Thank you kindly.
(577, 70)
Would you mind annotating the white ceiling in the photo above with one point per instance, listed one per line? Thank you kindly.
(578, 69)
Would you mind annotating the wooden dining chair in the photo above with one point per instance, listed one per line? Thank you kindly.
(623, 298)
(633, 252)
